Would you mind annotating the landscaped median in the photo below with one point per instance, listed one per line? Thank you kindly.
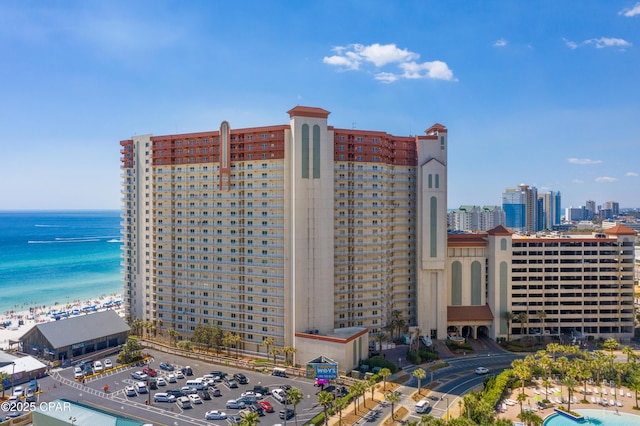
(570, 414)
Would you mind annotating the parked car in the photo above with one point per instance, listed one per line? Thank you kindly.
(279, 394)
(98, 367)
(215, 415)
(184, 402)
(195, 399)
(232, 403)
(261, 389)
(18, 391)
(266, 406)
(171, 378)
(188, 390)
(176, 392)
(107, 364)
(232, 383)
(218, 375)
(161, 382)
(252, 394)
(187, 371)
(150, 371)
(78, 373)
(138, 375)
(88, 369)
(153, 384)
(130, 391)
(214, 392)
(166, 366)
(234, 419)
(31, 396)
(241, 378)
(204, 395)
(179, 375)
(246, 400)
(256, 408)
(141, 387)
(163, 397)
(288, 413)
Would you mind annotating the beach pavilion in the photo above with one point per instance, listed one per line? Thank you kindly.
(76, 336)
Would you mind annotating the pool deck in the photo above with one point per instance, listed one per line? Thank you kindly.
(536, 393)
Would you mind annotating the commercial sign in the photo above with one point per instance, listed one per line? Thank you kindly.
(322, 371)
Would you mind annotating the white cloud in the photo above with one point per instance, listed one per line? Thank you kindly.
(632, 174)
(583, 161)
(606, 179)
(635, 10)
(381, 55)
(608, 42)
(377, 56)
(500, 43)
(570, 44)
(386, 77)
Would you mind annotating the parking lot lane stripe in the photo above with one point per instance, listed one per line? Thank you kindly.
(126, 414)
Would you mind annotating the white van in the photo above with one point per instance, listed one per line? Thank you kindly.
(422, 406)
(196, 384)
(184, 402)
(141, 387)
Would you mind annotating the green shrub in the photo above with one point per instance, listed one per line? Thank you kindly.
(378, 361)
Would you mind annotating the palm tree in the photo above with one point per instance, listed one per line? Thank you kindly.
(136, 326)
(275, 352)
(522, 397)
(611, 345)
(508, 316)
(416, 336)
(295, 396)
(268, 341)
(3, 376)
(419, 374)
(628, 351)
(173, 336)
(237, 340)
(384, 373)
(250, 419)
(325, 399)
(227, 341)
(372, 382)
(340, 404)
(393, 397)
(542, 315)
(570, 382)
(358, 389)
(381, 337)
(522, 319)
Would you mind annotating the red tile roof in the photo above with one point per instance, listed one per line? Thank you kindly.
(304, 111)
(500, 231)
(620, 229)
(469, 313)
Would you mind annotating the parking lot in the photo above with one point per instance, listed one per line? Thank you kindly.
(142, 405)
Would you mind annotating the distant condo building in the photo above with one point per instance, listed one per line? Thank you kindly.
(527, 211)
(475, 218)
(318, 237)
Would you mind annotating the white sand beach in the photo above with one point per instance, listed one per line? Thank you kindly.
(23, 321)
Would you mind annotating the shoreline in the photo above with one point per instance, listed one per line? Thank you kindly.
(23, 320)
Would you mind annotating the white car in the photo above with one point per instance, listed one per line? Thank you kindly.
(171, 378)
(108, 364)
(161, 382)
(139, 375)
(195, 399)
(130, 391)
(163, 397)
(78, 373)
(189, 390)
(252, 394)
(97, 367)
(215, 415)
(18, 391)
(179, 375)
(279, 394)
(482, 370)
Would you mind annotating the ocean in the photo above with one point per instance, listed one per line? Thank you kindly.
(58, 256)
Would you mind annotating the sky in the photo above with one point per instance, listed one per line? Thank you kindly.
(544, 93)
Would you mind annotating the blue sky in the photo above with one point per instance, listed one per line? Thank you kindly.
(544, 93)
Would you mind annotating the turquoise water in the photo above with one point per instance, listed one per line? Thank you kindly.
(58, 256)
(606, 417)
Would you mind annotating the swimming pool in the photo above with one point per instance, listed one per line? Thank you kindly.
(594, 417)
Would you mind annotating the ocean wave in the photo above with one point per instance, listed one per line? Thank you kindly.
(50, 226)
(115, 240)
(86, 240)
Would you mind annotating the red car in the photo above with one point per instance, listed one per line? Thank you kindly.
(268, 408)
(150, 371)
